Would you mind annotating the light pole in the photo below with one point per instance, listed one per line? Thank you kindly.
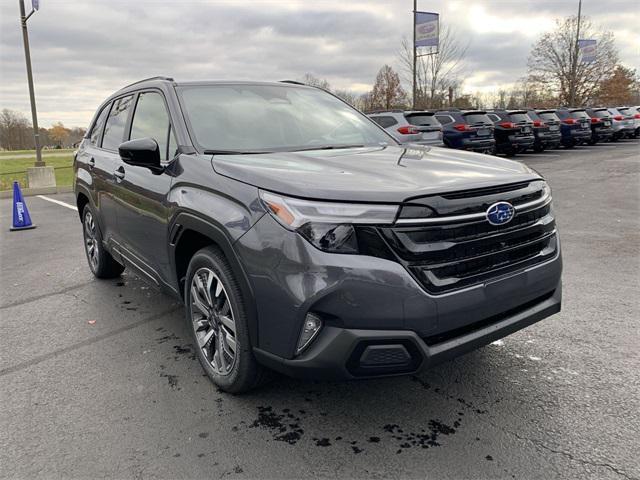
(32, 96)
(574, 63)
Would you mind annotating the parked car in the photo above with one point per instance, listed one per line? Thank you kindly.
(303, 238)
(546, 131)
(575, 126)
(601, 129)
(513, 131)
(420, 127)
(623, 124)
(635, 113)
(550, 118)
(467, 130)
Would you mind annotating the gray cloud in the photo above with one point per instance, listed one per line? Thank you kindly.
(83, 51)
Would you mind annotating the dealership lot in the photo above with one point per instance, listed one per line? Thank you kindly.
(99, 377)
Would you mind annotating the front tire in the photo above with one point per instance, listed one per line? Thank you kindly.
(216, 312)
(101, 263)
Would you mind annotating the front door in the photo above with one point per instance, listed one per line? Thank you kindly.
(142, 194)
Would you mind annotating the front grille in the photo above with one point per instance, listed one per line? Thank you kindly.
(446, 256)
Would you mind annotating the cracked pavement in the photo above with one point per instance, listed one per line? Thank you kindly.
(124, 397)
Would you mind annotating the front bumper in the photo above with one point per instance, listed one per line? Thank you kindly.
(367, 300)
(341, 353)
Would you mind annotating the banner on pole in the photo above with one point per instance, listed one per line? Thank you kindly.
(587, 49)
(427, 29)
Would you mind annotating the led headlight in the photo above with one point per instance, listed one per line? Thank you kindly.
(329, 226)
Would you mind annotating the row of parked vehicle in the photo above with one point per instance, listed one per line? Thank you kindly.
(510, 132)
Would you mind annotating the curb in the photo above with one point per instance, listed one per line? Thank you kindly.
(27, 192)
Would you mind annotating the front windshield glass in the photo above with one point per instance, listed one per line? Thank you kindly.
(246, 118)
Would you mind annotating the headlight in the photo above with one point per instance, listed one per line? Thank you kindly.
(327, 225)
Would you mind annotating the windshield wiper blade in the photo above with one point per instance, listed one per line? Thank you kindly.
(325, 147)
(232, 152)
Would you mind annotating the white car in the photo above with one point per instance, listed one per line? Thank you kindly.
(409, 126)
(635, 113)
(622, 124)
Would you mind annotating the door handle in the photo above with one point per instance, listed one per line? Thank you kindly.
(92, 163)
(119, 173)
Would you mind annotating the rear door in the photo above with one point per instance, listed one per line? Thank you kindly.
(106, 161)
(142, 207)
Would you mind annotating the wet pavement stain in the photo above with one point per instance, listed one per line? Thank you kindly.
(172, 380)
(425, 438)
(322, 442)
(285, 426)
(166, 338)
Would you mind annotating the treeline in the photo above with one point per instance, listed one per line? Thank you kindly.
(16, 133)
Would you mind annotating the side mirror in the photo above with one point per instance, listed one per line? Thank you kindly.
(142, 152)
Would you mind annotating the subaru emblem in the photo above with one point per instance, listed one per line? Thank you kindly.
(500, 213)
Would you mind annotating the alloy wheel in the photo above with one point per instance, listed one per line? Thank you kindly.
(90, 240)
(213, 321)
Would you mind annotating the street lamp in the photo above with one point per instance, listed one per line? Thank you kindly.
(35, 4)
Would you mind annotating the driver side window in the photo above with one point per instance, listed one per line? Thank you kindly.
(151, 120)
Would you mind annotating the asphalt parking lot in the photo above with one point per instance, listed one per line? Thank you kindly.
(99, 378)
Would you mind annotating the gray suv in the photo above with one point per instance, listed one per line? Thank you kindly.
(414, 126)
(302, 238)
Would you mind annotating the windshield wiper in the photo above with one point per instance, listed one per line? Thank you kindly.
(325, 147)
(232, 152)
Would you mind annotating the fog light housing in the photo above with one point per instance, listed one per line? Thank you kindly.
(311, 328)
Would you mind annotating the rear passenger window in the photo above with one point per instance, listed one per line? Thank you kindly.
(151, 120)
(385, 122)
(116, 122)
(96, 131)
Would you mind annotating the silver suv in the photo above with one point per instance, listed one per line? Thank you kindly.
(412, 126)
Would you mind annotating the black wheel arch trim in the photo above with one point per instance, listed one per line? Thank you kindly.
(189, 221)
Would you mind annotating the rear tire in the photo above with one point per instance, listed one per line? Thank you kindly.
(101, 263)
(216, 312)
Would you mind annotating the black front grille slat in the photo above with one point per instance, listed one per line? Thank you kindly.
(446, 257)
(481, 192)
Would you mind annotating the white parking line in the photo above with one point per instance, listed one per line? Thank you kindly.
(534, 155)
(64, 204)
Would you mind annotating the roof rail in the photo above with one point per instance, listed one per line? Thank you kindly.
(294, 82)
(158, 77)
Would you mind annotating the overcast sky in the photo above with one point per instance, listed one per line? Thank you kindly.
(83, 50)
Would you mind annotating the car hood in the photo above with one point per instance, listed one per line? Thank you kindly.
(377, 174)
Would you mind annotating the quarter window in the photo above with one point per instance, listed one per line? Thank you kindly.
(114, 129)
(96, 131)
(151, 120)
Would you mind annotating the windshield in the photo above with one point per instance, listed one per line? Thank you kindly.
(247, 118)
(600, 113)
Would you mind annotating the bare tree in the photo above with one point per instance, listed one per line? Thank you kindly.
(435, 73)
(554, 62)
(387, 92)
(352, 98)
(312, 80)
(15, 131)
